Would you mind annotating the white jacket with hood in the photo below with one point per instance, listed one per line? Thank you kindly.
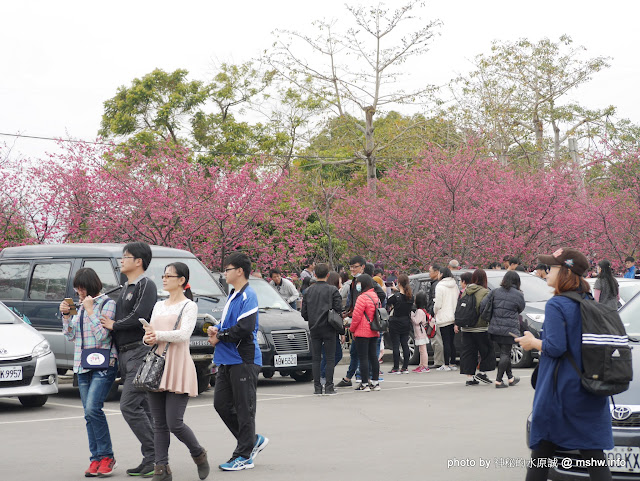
(447, 293)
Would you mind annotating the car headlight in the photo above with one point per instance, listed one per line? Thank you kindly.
(536, 317)
(42, 349)
(261, 339)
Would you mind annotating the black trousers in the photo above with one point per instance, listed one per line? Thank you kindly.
(476, 344)
(546, 450)
(399, 333)
(328, 340)
(504, 365)
(367, 347)
(449, 348)
(234, 399)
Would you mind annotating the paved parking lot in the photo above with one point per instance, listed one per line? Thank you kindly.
(419, 425)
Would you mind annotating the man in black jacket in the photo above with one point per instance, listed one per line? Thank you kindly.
(318, 300)
(436, 342)
(136, 301)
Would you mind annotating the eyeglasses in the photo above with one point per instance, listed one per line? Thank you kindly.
(128, 257)
(230, 269)
(355, 266)
(165, 276)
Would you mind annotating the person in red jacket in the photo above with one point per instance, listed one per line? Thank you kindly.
(366, 339)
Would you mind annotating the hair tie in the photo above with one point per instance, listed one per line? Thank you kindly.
(187, 286)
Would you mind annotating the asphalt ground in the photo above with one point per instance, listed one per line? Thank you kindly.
(426, 425)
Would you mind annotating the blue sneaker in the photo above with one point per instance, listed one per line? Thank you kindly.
(261, 443)
(237, 464)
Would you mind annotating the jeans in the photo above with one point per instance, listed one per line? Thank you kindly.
(234, 399)
(318, 342)
(94, 386)
(545, 451)
(504, 365)
(399, 333)
(134, 403)
(368, 357)
(449, 348)
(168, 412)
(353, 363)
(338, 358)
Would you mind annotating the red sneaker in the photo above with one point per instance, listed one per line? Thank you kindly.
(107, 465)
(93, 469)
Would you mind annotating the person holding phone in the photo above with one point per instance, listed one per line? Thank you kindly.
(83, 328)
(179, 380)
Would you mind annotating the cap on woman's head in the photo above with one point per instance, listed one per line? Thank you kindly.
(570, 258)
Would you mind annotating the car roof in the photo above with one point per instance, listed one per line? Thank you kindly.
(621, 280)
(82, 250)
(490, 273)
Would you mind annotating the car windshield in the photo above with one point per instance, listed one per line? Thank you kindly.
(8, 317)
(200, 280)
(268, 297)
(533, 288)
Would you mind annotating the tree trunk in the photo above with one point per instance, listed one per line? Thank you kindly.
(368, 150)
(537, 127)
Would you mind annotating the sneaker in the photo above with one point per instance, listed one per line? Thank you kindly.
(380, 379)
(394, 371)
(330, 392)
(363, 387)
(375, 386)
(261, 443)
(237, 464)
(317, 391)
(453, 367)
(472, 382)
(404, 371)
(143, 470)
(502, 385)
(358, 378)
(417, 369)
(482, 377)
(515, 381)
(344, 383)
(424, 369)
(444, 368)
(107, 465)
(93, 469)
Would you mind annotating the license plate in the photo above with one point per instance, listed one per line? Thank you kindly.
(624, 459)
(11, 373)
(199, 343)
(285, 360)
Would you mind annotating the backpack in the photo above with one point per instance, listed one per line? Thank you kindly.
(380, 320)
(466, 311)
(606, 354)
(430, 330)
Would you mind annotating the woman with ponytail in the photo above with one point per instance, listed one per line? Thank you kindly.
(400, 325)
(179, 381)
(606, 290)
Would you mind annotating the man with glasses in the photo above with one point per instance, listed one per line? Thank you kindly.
(239, 359)
(136, 301)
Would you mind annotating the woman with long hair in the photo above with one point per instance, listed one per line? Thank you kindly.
(400, 324)
(446, 300)
(606, 289)
(179, 380)
(564, 413)
(366, 339)
(508, 303)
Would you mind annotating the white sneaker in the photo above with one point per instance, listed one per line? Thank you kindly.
(443, 368)
(453, 368)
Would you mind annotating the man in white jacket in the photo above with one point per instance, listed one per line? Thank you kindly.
(285, 287)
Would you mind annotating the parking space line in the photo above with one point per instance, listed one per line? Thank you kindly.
(50, 419)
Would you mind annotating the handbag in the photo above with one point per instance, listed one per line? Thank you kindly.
(150, 372)
(380, 320)
(93, 357)
(334, 318)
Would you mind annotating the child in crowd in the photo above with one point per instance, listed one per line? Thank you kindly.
(419, 318)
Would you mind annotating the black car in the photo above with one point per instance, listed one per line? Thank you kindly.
(283, 337)
(536, 294)
(624, 458)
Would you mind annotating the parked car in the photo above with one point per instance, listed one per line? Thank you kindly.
(283, 337)
(27, 365)
(627, 288)
(35, 279)
(625, 417)
(536, 294)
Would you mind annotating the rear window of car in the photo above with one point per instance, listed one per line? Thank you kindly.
(49, 281)
(13, 280)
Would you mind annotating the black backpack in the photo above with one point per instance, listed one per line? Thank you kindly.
(606, 354)
(466, 311)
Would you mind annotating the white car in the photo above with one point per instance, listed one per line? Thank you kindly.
(27, 365)
(628, 288)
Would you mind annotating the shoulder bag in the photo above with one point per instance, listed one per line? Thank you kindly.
(150, 372)
(93, 357)
(334, 318)
(380, 320)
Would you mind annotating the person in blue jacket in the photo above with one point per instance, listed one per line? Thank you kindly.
(631, 269)
(565, 416)
(239, 359)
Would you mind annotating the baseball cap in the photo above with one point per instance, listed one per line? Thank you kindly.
(568, 257)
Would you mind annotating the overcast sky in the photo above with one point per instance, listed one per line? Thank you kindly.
(63, 59)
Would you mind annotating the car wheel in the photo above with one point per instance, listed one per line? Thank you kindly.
(268, 374)
(33, 401)
(302, 376)
(520, 358)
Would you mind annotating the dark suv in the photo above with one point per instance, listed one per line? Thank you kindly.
(35, 279)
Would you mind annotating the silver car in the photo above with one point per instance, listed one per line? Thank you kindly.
(27, 365)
